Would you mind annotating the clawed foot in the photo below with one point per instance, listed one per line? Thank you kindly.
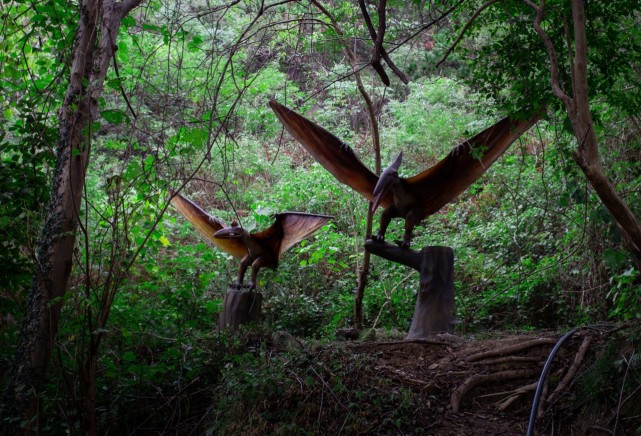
(241, 286)
(376, 238)
(402, 244)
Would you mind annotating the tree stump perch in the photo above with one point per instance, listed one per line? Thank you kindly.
(434, 311)
(239, 307)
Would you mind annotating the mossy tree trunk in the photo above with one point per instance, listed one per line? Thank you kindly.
(93, 51)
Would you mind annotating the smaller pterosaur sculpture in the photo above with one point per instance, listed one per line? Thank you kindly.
(260, 250)
(412, 198)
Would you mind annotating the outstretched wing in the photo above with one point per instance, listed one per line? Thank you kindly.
(290, 228)
(332, 153)
(207, 225)
(441, 183)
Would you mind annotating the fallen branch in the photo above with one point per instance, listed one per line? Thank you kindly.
(459, 393)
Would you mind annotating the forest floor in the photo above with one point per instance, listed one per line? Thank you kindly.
(274, 383)
(473, 386)
(470, 386)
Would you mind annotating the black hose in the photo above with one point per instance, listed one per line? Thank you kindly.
(544, 374)
(546, 369)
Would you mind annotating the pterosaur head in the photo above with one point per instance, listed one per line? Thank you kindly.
(386, 181)
(233, 232)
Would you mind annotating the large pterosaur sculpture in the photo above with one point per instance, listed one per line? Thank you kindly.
(260, 250)
(411, 198)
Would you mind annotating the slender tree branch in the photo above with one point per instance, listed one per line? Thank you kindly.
(371, 110)
(380, 51)
(124, 7)
(554, 63)
(467, 26)
(427, 26)
(122, 89)
(378, 44)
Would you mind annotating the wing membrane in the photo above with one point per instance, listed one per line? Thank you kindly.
(332, 153)
(291, 228)
(207, 225)
(441, 183)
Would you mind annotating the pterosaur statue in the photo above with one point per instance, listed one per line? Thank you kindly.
(412, 198)
(260, 250)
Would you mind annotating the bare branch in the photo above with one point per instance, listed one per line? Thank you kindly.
(122, 89)
(124, 7)
(380, 52)
(371, 110)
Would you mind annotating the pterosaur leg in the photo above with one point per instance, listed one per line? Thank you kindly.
(411, 220)
(244, 263)
(386, 218)
(256, 266)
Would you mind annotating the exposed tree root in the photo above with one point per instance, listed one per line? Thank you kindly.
(569, 376)
(512, 359)
(493, 380)
(459, 393)
(517, 394)
(511, 349)
(520, 366)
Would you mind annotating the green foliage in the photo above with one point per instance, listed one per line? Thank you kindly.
(508, 60)
(267, 393)
(533, 246)
(437, 113)
(610, 381)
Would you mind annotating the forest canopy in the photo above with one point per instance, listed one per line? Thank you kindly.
(109, 295)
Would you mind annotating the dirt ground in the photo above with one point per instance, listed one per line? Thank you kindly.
(486, 386)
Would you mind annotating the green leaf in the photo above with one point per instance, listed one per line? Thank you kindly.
(128, 356)
(614, 258)
(128, 21)
(196, 136)
(149, 162)
(113, 116)
(195, 43)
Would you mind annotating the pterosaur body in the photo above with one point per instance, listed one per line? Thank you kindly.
(412, 198)
(260, 250)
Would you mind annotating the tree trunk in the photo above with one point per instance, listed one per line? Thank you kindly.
(434, 311)
(239, 307)
(372, 112)
(587, 153)
(577, 106)
(362, 276)
(55, 248)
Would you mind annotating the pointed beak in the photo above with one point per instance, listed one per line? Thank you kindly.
(386, 181)
(382, 188)
(229, 233)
